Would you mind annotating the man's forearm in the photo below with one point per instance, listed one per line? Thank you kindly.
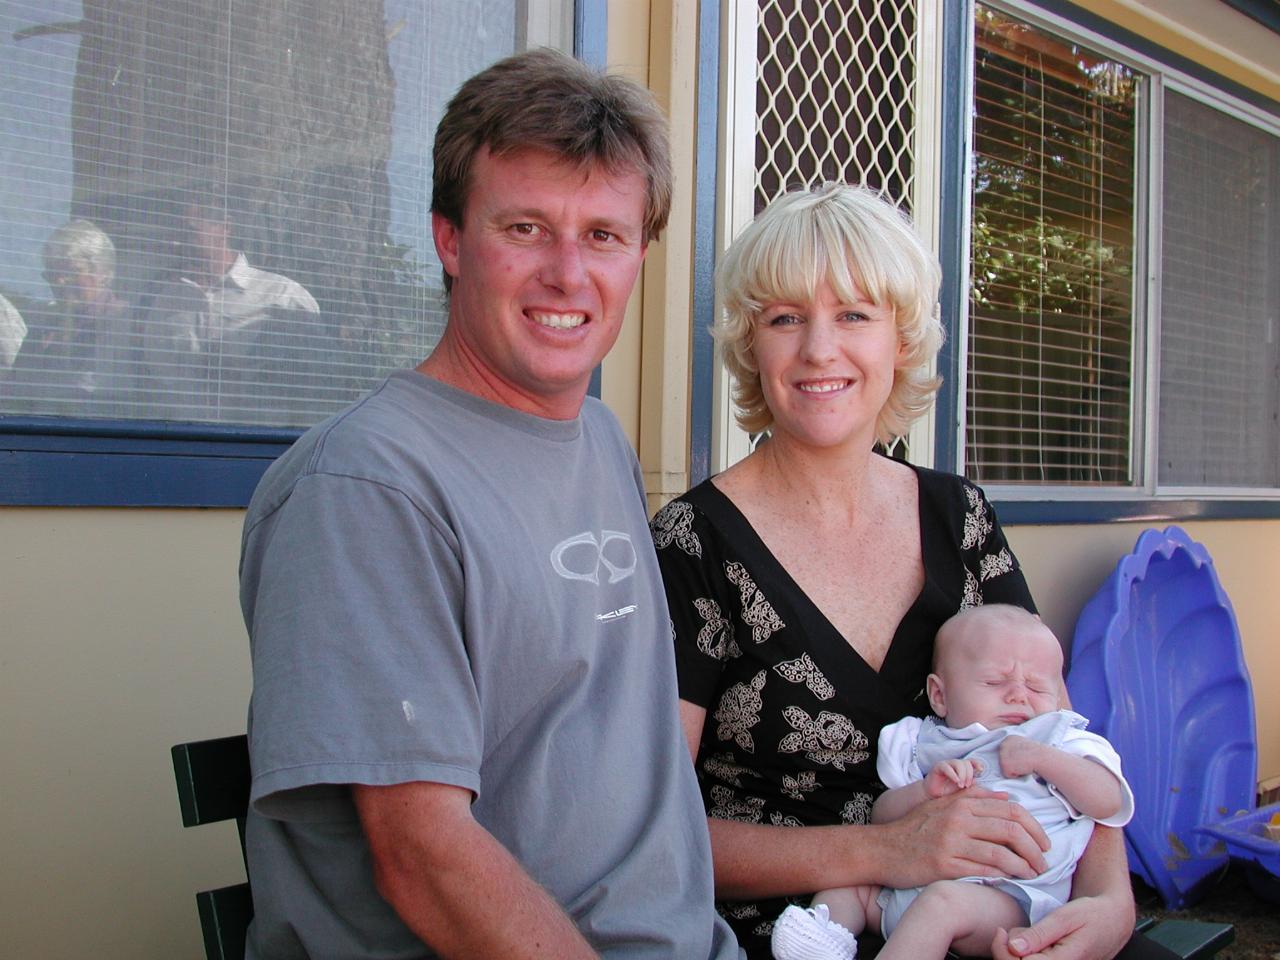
(459, 889)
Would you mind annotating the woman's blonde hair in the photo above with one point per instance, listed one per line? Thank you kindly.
(850, 239)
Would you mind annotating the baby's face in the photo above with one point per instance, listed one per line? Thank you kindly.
(998, 674)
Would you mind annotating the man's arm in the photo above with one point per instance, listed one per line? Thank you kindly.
(453, 884)
(1088, 786)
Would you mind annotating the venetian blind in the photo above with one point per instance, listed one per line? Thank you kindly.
(1051, 304)
(1220, 300)
(217, 211)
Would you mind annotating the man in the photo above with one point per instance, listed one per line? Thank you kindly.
(208, 330)
(463, 727)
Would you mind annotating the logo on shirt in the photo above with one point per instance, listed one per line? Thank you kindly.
(584, 556)
(618, 614)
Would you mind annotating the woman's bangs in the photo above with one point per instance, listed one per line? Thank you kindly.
(788, 267)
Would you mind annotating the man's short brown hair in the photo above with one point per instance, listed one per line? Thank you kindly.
(545, 100)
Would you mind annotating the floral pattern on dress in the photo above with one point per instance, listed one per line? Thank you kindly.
(977, 523)
(831, 738)
(779, 819)
(739, 711)
(972, 592)
(674, 524)
(796, 787)
(804, 670)
(725, 805)
(722, 767)
(757, 611)
(715, 639)
(857, 810)
(995, 564)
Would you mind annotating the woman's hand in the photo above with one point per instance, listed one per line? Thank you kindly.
(971, 833)
(1087, 928)
(1093, 926)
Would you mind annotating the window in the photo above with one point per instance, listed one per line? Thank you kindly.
(1091, 170)
(1220, 300)
(214, 216)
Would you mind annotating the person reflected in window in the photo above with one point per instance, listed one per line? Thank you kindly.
(13, 330)
(75, 358)
(204, 326)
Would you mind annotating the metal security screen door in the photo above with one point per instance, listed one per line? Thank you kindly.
(834, 96)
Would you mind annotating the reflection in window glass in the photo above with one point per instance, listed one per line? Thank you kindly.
(1051, 301)
(218, 212)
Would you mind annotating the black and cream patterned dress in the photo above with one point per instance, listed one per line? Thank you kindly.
(793, 713)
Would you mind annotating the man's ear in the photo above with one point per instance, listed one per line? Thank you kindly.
(937, 698)
(446, 235)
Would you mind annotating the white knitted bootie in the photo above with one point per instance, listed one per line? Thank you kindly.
(810, 934)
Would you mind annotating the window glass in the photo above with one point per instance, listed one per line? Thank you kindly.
(1220, 300)
(1051, 287)
(218, 212)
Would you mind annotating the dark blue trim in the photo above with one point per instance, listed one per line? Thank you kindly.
(706, 155)
(166, 430)
(591, 46)
(91, 478)
(1035, 512)
(1266, 12)
(591, 32)
(70, 463)
(1146, 47)
(951, 229)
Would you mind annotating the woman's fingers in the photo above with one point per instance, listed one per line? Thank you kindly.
(987, 837)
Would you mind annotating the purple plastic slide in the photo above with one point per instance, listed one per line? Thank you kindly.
(1156, 667)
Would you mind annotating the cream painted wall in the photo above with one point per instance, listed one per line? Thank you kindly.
(628, 46)
(646, 375)
(121, 636)
(1066, 564)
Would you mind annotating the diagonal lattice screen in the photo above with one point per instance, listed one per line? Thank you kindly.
(835, 86)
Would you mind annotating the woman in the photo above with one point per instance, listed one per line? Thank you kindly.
(806, 584)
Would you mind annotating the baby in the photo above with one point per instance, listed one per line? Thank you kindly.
(997, 685)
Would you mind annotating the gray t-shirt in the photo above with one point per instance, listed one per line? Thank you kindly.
(438, 588)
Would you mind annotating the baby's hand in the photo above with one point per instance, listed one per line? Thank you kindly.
(950, 776)
(1019, 756)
